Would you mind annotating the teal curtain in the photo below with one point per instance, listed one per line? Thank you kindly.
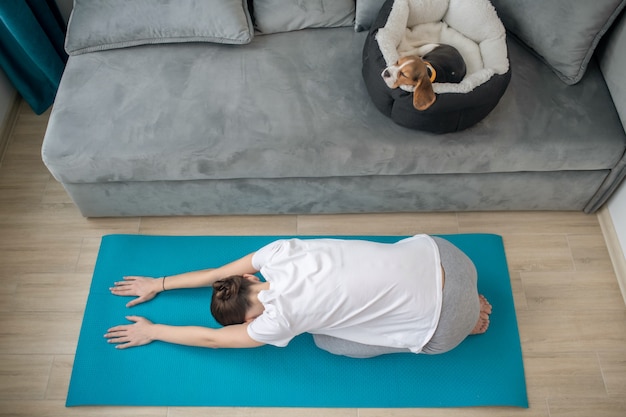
(32, 34)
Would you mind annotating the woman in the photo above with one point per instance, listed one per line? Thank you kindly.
(358, 298)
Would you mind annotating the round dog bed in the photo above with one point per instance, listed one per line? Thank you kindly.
(472, 27)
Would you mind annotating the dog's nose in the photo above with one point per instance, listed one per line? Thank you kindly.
(386, 74)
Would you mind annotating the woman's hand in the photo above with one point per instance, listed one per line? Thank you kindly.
(144, 288)
(130, 335)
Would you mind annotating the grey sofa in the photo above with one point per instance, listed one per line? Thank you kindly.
(191, 107)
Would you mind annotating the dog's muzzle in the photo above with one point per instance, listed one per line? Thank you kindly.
(390, 75)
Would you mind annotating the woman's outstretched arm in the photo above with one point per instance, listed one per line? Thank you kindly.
(142, 331)
(146, 288)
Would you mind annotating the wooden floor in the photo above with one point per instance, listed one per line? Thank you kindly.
(570, 311)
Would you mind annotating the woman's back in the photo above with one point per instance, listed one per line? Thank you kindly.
(367, 292)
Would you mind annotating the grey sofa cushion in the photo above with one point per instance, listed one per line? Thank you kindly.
(111, 24)
(272, 16)
(294, 115)
(366, 13)
(563, 32)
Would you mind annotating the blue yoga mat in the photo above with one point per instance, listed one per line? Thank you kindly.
(485, 370)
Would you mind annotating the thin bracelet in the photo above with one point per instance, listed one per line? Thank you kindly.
(164, 282)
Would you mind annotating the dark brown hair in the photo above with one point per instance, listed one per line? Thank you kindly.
(230, 302)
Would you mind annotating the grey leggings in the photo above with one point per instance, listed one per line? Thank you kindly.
(459, 311)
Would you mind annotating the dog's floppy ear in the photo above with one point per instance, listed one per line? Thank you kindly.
(423, 96)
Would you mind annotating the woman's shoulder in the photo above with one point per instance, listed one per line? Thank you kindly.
(273, 249)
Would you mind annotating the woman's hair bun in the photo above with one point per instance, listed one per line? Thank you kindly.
(227, 288)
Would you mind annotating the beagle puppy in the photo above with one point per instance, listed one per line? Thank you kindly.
(439, 63)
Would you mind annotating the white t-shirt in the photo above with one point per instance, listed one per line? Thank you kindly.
(367, 292)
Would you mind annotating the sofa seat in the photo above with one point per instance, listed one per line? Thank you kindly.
(284, 124)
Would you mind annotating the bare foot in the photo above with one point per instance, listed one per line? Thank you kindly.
(483, 319)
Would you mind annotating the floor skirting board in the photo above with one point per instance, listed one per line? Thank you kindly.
(616, 252)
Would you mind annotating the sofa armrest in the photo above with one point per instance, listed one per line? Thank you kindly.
(612, 63)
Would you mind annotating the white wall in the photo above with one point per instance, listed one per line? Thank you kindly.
(65, 7)
(7, 95)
